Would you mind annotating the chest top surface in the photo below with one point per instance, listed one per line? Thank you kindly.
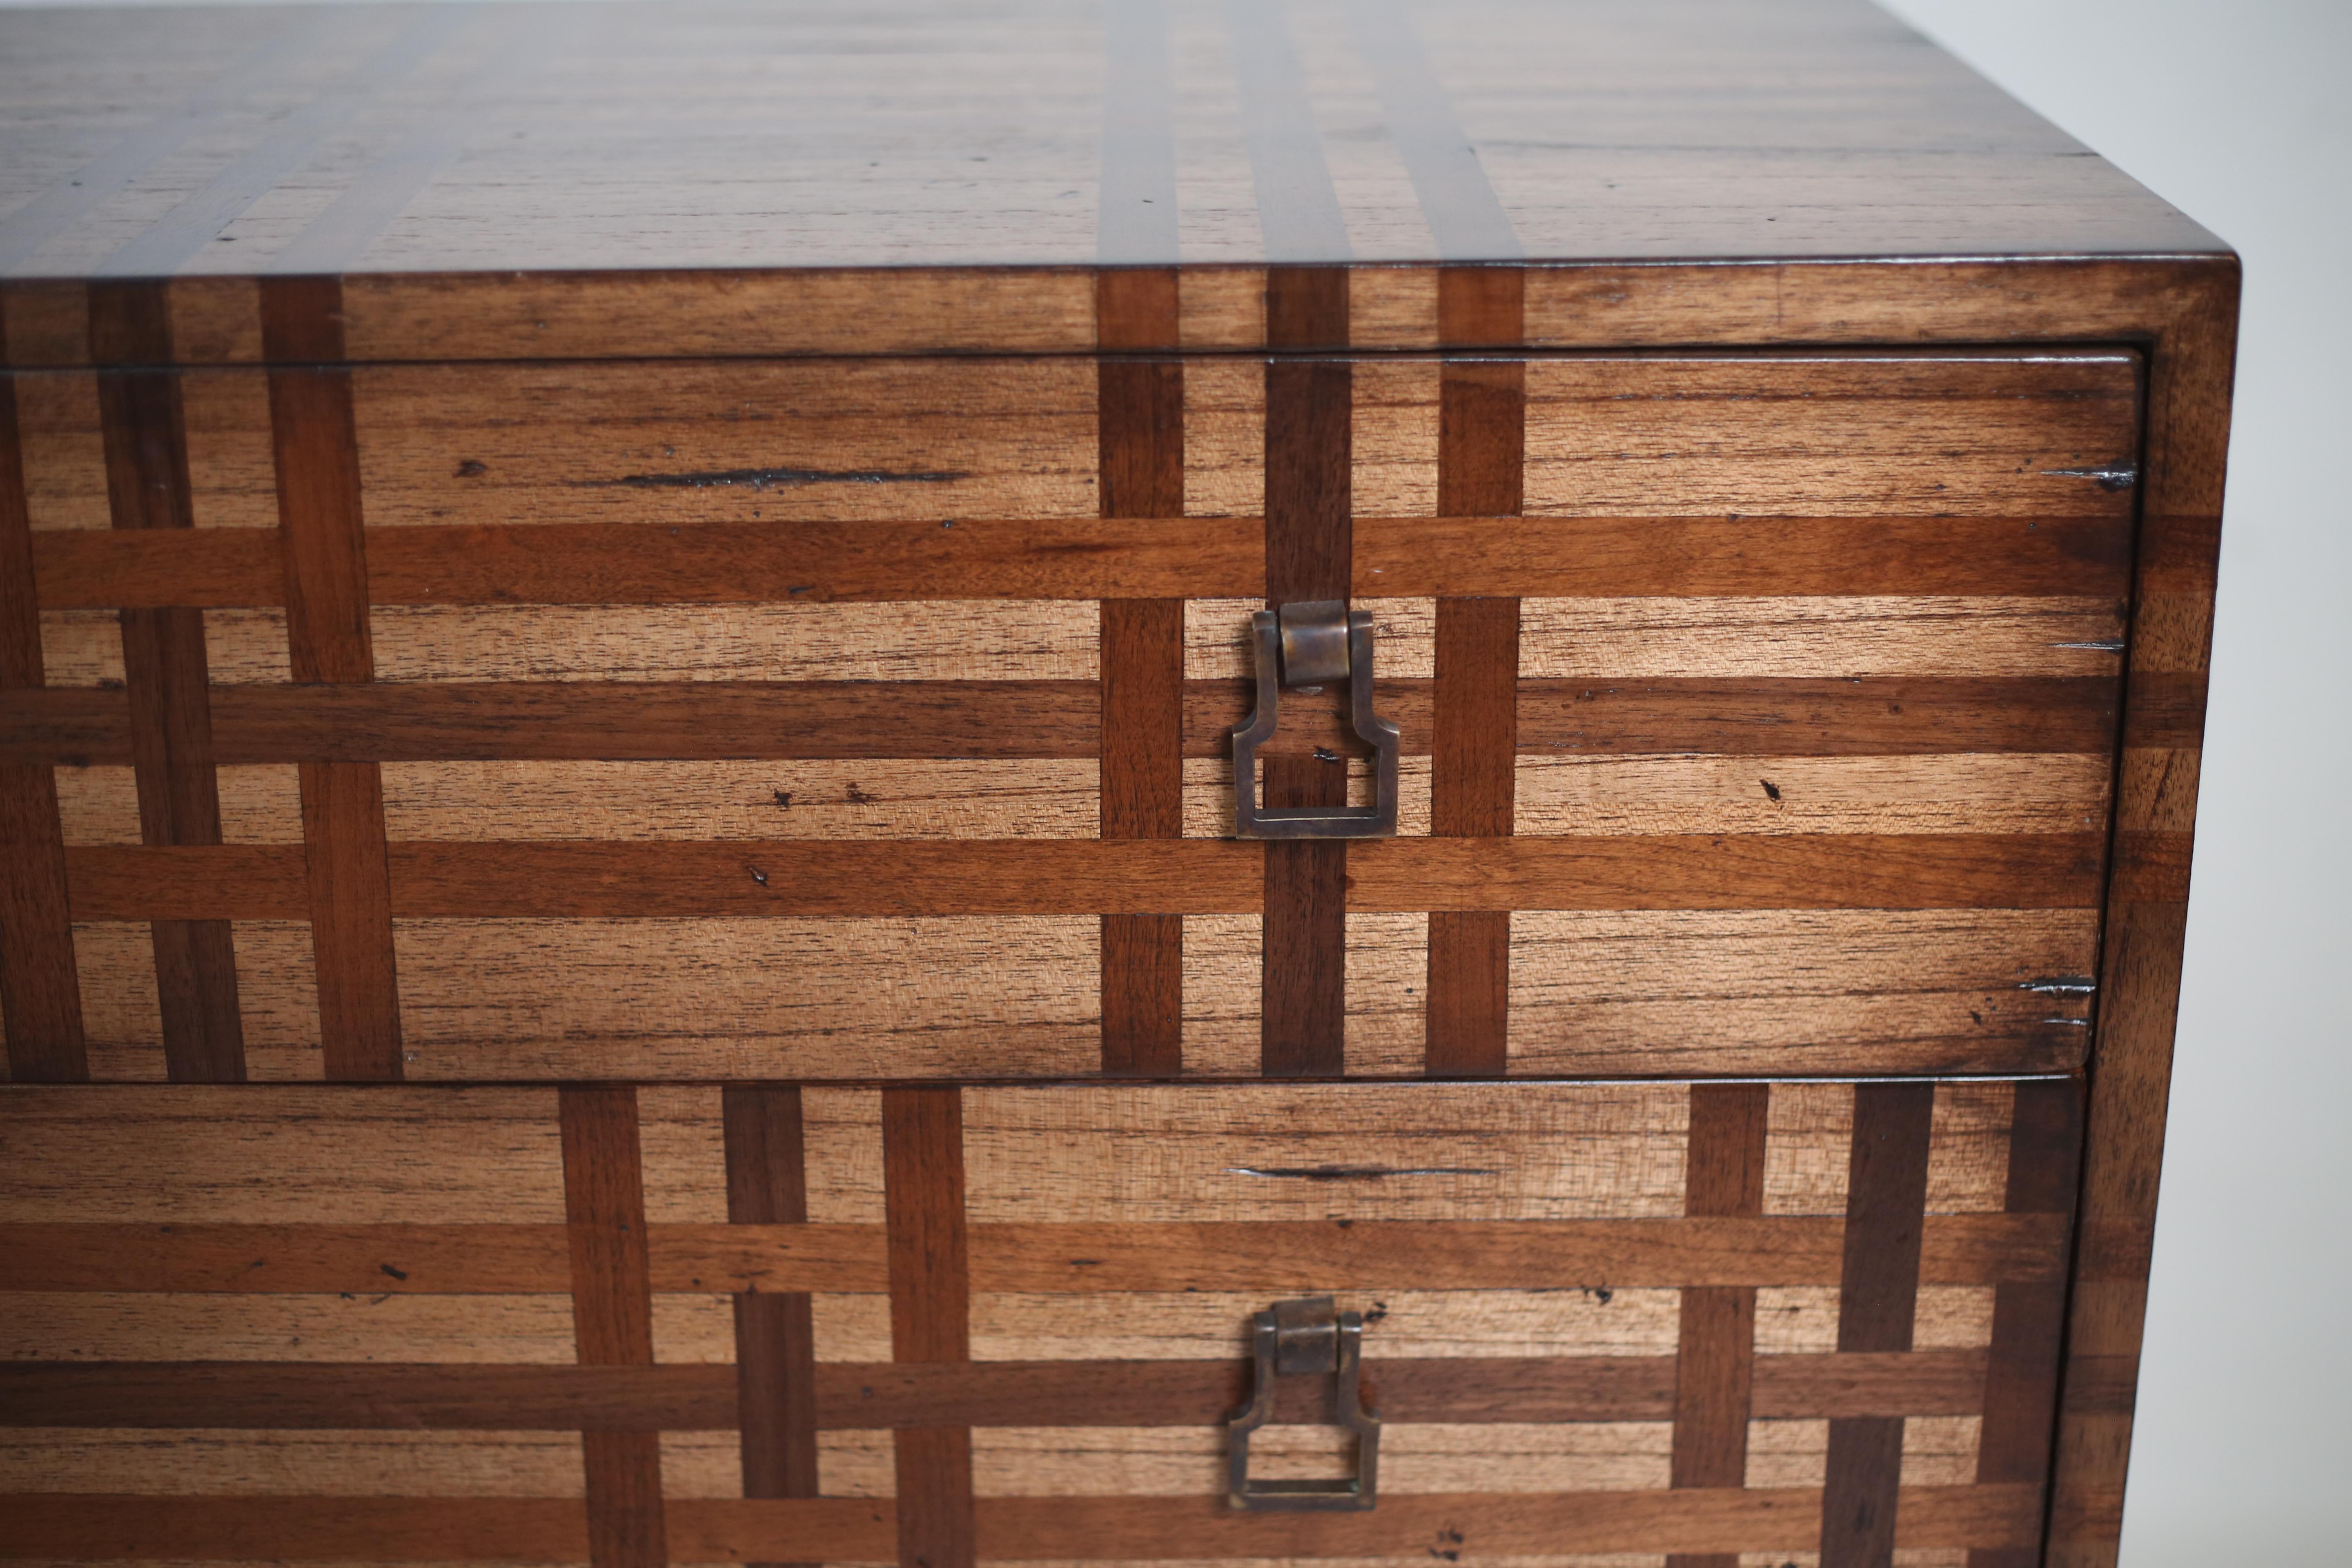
(456, 138)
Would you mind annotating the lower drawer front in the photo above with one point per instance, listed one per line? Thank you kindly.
(926, 1324)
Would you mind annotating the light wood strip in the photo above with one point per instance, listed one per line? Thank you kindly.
(1399, 1324)
(1802, 1320)
(688, 442)
(1160, 1461)
(536, 998)
(1006, 640)
(1486, 1152)
(1788, 637)
(1965, 792)
(1853, 435)
(196, 1462)
(85, 1326)
(1937, 1450)
(1667, 991)
(136, 1153)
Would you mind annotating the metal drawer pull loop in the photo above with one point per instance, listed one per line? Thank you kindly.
(1311, 644)
(1307, 1337)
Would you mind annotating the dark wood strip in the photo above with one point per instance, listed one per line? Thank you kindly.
(40, 989)
(1303, 955)
(554, 879)
(1481, 308)
(1916, 715)
(2029, 1322)
(1142, 995)
(1142, 430)
(495, 1259)
(317, 449)
(1309, 452)
(1308, 466)
(1472, 773)
(612, 1315)
(1162, 554)
(866, 1397)
(677, 720)
(1886, 1198)
(166, 678)
(295, 1529)
(495, 720)
(1474, 709)
(1716, 1366)
(775, 1337)
(930, 1314)
(1467, 551)
(1773, 718)
(1667, 871)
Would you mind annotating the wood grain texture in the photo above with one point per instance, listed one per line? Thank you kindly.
(1886, 1190)
(1244, 1256)
(327, 638)
(40, 993)
(776, 1341)
(1646, 991)
(1842, 74)
(1308, 470)
(118, 1528)
(931, 1285)
(1473, 775)
(1610, 435)
(1140, 424)
(280, 1397)
(164, 663)
(822, 440)
(1715, 1358)
(612, 1305)
(1769, 716)
(2029, 1322)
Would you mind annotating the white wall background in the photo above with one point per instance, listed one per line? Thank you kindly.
(2239, 111)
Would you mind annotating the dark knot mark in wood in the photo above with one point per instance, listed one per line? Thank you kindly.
(773, 479)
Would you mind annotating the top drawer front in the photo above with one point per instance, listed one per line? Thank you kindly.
(868, 718)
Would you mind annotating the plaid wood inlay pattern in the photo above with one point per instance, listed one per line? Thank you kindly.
(610, 729)
(1034, 1298)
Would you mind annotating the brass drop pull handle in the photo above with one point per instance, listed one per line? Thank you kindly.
(1310, 1338)
(1313, 645)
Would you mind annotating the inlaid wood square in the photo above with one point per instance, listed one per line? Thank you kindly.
(695, 1324)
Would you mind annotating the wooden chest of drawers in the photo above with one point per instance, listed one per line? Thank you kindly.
(626, 931)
